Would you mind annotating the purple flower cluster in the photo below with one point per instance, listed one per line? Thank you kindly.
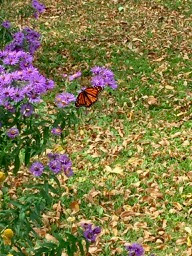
(39, 8)
(23, 84)
(135, 250)
(6, 24)
(103, 77)
(64, 99)
(19, 58)
(57, 163)
(27, 39)
(90, 233)
(60, 162)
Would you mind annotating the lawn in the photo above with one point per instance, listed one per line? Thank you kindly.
(131, 151)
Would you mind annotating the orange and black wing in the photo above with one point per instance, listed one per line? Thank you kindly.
(87, 97)
(80, 101)
(93, 91)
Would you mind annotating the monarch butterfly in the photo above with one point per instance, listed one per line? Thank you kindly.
(88, 96)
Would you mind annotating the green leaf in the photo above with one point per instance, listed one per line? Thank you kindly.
(45, 194)
(27, 155)
(16, 164)
(45, 134)
(81, 247)
(35, 217)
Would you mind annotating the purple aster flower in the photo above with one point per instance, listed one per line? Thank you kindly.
(56, 131)
(74, 76)
(39, 84)
(27, 30)
(55, 166)
(49, 84)
(3, 53)
(12, 132)
(65, 161)
(96, 70)
(32, 38)
(12, 58)
(39, 7)
(53, 156)
(29, 72)
(63, 99)
(18, 95)
(18, 38)
(7, 92)
(6, 24)
(31, 35)
(37, 168)
(5, 79)
(103, 77)
(97, 230)
(135, 249)
(26, 61)
(89, 236)
(107, 73)
(11, 46)
(27, 109)
(33, 97)
(90, 233)
(28, 39)
(98, 81)
(68, 172)
(33, 46)
(17, 75)
(113, 84)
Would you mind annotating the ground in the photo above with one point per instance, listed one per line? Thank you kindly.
(132, 151)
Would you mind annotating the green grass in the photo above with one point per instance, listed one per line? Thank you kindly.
(72, 42)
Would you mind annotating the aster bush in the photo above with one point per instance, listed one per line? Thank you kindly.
(28, 126)
(25, 124)
(20, 223)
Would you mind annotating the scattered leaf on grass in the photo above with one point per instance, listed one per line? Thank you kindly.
(116, 170)
(74, 206)
(51, 238)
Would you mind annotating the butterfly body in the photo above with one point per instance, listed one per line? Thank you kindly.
(88, 96)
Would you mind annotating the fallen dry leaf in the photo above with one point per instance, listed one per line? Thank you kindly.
(181, 241)
(116, 170)
(74, 206)
(51, 238)
(152, 101)
(188, 230)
